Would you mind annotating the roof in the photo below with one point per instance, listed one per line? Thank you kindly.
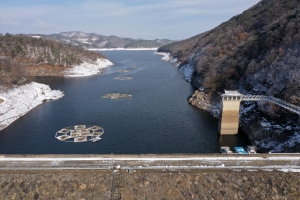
(231, 93)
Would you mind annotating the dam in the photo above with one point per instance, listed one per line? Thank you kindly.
(164, 176)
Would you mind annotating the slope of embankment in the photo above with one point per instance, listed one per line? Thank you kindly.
(256, 52)
(146, 184)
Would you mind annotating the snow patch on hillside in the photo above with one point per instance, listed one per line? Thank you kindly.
(166, 56)
(187, 71)
(21, 99)
(125, 49)
(88, 69)
(289, 170)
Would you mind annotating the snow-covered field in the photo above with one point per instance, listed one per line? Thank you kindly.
(126, 49)
(21, 99)
(88, 69)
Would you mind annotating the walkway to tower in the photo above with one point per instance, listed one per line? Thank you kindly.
(231, 108)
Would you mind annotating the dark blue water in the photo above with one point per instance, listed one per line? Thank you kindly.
(157, 119)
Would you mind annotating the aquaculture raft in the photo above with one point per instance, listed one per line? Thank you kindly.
(130, 69)
(121, 78)
(116, 96)
(80, 133)
(125, 71)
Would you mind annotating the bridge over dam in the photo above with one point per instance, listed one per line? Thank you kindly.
(229, 122)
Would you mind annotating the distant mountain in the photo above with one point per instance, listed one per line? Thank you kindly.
(93, 40)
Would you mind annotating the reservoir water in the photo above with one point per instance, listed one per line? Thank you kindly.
(156, 119)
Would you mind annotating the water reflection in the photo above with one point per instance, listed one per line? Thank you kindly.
(231, 141)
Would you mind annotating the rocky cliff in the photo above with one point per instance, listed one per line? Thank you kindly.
(256, 52)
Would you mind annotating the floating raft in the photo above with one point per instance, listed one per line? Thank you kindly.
(80, 133)
(125, 70)
(116, 96)
(134, 67)
(121, 78)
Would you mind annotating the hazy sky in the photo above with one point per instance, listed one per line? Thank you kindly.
(151, 19)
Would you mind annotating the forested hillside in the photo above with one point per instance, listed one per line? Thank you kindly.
(257, 52)
(11, 73)
(22, 56)
(28, 50)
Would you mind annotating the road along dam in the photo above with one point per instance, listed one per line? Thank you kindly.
(182, 176)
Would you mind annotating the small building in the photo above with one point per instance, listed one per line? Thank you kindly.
(229, 121)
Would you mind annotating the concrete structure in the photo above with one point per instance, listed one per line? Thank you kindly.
(229, 123)
(149, 162)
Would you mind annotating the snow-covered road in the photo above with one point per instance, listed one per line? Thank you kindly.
(253, 162)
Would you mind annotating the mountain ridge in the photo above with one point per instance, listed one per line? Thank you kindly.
(94, 40)
(256, 52)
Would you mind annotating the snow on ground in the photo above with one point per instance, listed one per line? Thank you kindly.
(21, 99)
(86, 43)
(166, 56)
(88, 69)
(187, 71)
(289, 170)
(126, 49)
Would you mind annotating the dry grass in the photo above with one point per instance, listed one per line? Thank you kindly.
(44, 70)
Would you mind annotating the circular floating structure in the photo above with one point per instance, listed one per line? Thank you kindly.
(116, 96)
(80, 133)
(122, 78)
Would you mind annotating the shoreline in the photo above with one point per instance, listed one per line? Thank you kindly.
(19, 100)
(124, 49)
(165, 56)
(88, 69)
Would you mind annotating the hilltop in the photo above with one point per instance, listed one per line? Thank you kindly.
(256, 52)
(21, 55)
(247, 51)
(94, 41)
